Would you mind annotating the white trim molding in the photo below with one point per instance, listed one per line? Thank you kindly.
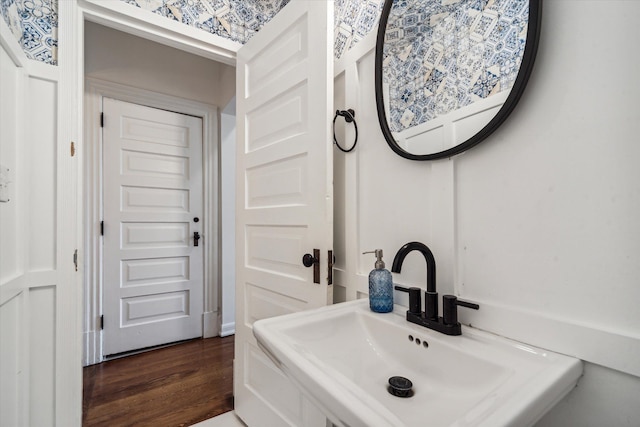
(228, 329)
(141, 23)
(611, 349)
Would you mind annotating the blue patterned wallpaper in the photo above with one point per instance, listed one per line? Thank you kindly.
(354, 19)
(35, 22)
(237, 20)
(442, 56)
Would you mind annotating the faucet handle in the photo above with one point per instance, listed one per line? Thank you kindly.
(450, 305)
(415, 305)
(467, 304)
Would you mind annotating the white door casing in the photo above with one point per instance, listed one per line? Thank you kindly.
(153, 272)
(284, 205)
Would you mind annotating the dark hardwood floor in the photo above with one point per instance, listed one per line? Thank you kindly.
(179, 385)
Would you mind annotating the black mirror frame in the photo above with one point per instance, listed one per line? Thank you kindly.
(528, 59)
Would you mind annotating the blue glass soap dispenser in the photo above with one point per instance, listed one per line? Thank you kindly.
(380, 286)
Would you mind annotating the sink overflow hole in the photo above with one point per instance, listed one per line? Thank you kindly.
(418, 341)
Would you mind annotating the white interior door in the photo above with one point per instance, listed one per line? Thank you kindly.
(153, 257)
(284, 196)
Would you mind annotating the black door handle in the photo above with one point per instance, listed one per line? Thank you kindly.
(309, 260)
(196, 237)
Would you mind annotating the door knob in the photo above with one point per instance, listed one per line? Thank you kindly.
(196, 237)
(309, 260)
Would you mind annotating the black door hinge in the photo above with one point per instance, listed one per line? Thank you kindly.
(101, 120)
(75, 259)
(102, 321)
(102, 228)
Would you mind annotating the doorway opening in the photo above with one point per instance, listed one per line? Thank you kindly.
(142, 74)
(131, 70)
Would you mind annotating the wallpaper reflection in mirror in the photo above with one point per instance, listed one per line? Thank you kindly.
(440, 56)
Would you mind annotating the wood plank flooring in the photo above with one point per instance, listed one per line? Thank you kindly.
(179, 385)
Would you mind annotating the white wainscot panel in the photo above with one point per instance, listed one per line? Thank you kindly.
(10, 236)
(42, 340)
(428, 140)
(40, 161)
(12, 371)
(447, 131)
(467, 126)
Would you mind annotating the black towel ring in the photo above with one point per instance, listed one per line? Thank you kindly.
(349, 116)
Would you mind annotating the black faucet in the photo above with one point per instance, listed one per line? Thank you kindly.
(447, 324)
(431, 297)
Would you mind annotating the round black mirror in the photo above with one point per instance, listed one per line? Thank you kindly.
(448, 73)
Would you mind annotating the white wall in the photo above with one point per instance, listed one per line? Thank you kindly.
(118, 57)
(538, 223)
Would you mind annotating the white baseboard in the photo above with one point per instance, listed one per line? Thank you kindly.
(211, 324)
(228, 419)
(228, 329)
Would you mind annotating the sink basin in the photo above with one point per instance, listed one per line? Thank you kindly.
(342, 356)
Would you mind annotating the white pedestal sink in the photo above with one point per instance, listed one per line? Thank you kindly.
(342, 356)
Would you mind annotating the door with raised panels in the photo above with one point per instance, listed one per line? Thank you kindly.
(153, 256)
(284, 197)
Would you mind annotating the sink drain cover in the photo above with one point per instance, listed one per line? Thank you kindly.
(400, 386)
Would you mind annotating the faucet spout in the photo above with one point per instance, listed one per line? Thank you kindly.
(428, 256)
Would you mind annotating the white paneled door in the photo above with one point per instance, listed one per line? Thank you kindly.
(153, 249)
(284, 197)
